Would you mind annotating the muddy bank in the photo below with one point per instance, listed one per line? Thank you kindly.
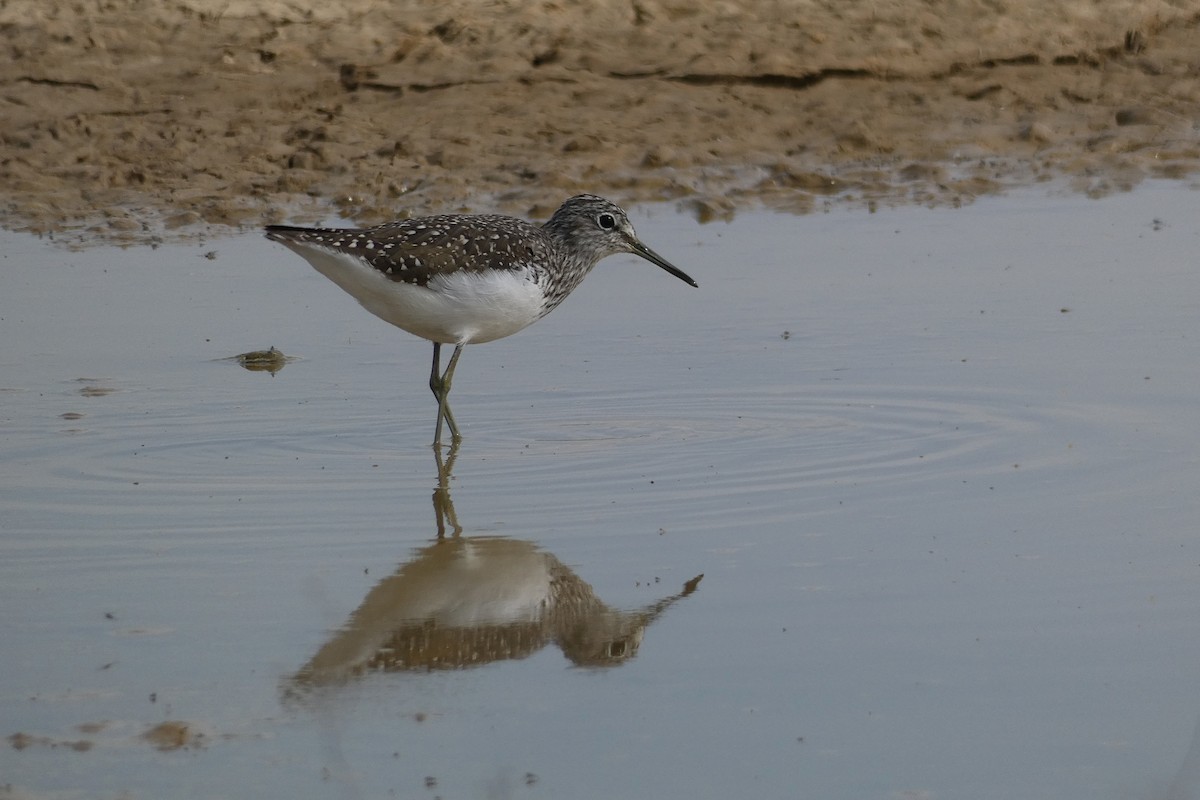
(134, 119)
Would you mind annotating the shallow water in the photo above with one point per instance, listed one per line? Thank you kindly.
(938, 469)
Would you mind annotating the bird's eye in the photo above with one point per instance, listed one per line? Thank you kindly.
(606, 221)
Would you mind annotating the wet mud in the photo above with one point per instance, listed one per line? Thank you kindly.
(134, 120)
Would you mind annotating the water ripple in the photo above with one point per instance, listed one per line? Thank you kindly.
(564, 451)
(782, 439)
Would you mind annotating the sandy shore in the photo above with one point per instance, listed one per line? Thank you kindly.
(132, 120)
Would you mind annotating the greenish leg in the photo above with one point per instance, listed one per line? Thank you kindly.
(440, 386)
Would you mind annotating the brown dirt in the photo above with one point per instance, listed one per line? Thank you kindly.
(131, 120)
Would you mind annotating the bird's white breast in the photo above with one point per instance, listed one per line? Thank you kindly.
(459, 307)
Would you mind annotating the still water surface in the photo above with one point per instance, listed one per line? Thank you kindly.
(938, 469)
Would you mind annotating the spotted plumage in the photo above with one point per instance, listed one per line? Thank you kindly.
(414, 250)
(464, 279)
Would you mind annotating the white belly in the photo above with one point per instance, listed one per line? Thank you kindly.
(461, 307)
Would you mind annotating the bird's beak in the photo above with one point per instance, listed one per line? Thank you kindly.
(655, 258)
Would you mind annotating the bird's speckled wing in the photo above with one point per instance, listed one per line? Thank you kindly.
(415, 250)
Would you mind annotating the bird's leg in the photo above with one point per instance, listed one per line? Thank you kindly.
(440, 386)
(435, 386)
(447, 379)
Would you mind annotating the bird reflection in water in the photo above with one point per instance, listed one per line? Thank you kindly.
(466, 601)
